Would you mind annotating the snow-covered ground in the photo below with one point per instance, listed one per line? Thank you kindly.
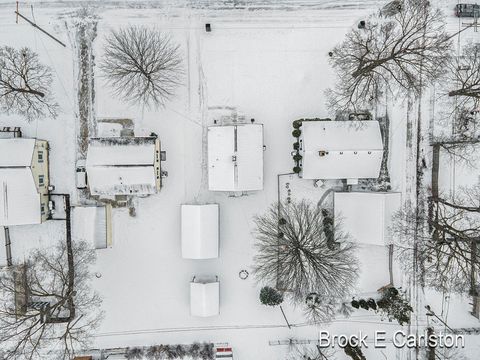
(269, 61)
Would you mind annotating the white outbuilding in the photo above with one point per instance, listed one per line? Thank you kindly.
(235, 157)
(93, 224)
(200, 231)
(340, 149)
(367, 216)
(204, 298)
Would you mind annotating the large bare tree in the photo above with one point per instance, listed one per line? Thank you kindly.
(25, 84)
(464, 73)
(41, 316)
(460, 101)
(447, 243)
(297, 253)
(142, 65)
(403, 50)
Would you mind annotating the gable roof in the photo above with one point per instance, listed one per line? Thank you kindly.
(367, 216)
(121, 151)
(16, 152)
(19, 199)
(200, 231)
(122, 166)
(351, 150)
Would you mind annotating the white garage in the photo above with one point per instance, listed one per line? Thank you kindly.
(200, 231)
(204, 298)
(367, 216)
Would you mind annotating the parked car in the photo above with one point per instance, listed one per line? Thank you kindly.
(81, 174)
(467, 10)
(51, 207)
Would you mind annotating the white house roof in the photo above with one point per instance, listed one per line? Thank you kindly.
(89, 224)
(351, 150)
(235, 157)
(200, 228)
(111, 153)
(367, 216)
(121, 180)
(16, 152)
(204, 299)
(121, 166)
(19, 199)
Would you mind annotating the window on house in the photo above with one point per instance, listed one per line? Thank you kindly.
(42, 208)
(40, 156)
(41, 180)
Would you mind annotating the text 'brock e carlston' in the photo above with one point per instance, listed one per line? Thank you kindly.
(399, 339)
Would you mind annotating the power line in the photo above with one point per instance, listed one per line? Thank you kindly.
(39, 28)
(235, 327)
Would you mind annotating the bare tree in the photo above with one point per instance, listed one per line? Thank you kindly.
(36, 318)
(402, 50)
(443, 353)
(460, 97)
(459, 148)
(25, 84)
(447, 243)
(294, 252)
(319, 309)
(142, 65)
(464, 73)
(305, 350)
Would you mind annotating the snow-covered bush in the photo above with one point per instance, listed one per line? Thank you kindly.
(270, 296)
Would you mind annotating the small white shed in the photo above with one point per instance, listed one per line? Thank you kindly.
(235, 157)
(367, 216)
(200, 231)
(93, 224)
(204, 298)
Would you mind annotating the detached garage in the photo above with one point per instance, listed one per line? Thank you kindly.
(367, 216)
(200, 231)
(204, 298)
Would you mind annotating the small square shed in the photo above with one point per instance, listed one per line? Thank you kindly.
(200, 231)
(204, 298)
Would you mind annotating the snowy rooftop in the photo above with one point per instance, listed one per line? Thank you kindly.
(90, 224)
(235, 157)
(122, 166)
(16, 152)
(340, 150)
(200, 231)
(19, 199)
(367, 216)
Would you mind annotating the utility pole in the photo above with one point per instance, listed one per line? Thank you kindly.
(37, 27)
(430, 312)
(431, 349)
